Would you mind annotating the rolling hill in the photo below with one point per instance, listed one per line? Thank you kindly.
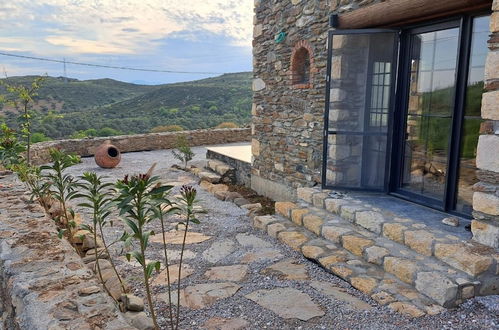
(64, 108)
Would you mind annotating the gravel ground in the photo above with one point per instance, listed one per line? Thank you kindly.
(223, 221)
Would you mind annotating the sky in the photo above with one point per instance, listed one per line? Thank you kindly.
(175, 35)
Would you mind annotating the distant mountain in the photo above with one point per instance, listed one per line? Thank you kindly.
(66, 107)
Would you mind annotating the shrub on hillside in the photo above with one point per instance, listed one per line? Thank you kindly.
(227, 125)
(167, 128)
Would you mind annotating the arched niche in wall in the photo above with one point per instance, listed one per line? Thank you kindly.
(302, 65)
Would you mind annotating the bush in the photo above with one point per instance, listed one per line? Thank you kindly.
(227, 125)
(167, 128)
(39, 137)
(108, 131)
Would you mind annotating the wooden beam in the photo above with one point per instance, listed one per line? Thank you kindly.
(403, 12)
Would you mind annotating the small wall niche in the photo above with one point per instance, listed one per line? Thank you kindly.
(302, 61)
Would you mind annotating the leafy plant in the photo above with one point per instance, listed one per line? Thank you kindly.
(138, 201)
(31, 175)
(11, 149)
(97, 198)
(183, 152)
(23, 98)
(63, 187)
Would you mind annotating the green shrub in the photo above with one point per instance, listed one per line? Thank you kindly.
(167, 128)
(227, 125)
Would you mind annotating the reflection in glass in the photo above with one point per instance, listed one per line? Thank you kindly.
(472, 120)
(430, 109)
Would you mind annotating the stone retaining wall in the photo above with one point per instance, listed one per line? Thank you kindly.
(44, 283)
(141, 142)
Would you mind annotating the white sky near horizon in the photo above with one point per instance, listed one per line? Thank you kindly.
(189, 35)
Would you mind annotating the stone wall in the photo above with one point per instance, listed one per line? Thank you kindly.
(141, 142)
(44, 283)
(287, 118)
(485, 227)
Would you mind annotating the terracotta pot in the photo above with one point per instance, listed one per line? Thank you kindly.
(107, 156)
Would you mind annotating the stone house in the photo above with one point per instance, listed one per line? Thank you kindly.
(393, 98)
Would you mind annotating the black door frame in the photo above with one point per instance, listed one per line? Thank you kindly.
(399, 100)
(465, 24)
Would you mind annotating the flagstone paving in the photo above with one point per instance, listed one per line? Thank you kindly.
(242, 278)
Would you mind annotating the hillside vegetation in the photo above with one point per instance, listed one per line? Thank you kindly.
(107, 107)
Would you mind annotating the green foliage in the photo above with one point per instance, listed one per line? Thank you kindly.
(96, 196)
(227, 125)
(81, 105)
(167, 128)
(182, 151)
(107, 131)
(31, 175)
(138, 199)
(11, 150)
(39, 137)
(62, 186)
(21, 96)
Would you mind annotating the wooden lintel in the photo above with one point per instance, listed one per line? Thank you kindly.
(403, 12)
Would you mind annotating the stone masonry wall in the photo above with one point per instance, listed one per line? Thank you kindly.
(44, 283)
(485, 227)
(287, 119)
(141, 142)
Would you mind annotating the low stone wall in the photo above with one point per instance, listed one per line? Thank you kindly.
(44, 283)
(242, 168)
(141, 142)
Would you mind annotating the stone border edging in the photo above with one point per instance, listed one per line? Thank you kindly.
(46, 282)
(140, 142)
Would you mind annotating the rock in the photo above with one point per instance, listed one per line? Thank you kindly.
(402, 268)
(406, 309)
(293, 239)
(234, 273)
(261, 255)
(254, 206)
(241, 201)
(161, 279)
(341, 294)
(375, 254)
(451, 221)
(356, 244)
(312, 251)
(79, 235)
(140, 320)
(91, 257)
(206, 185)
(132, 303)
(313, 223)
(383, 298)
(288, 303)
(221, 195)
(306, 194)
(106, 274)
(218, 323)
(203, 295)
(176, 237)
(219, 188)
(219, 250)
(287, 270)
(89, 290)
(89, 243)
(103, 265)
(114, 287)
(464, 257)
(284, 208)
(297, 216)
(438, 287)
(420, 241)
(334, 233)
(394, 231)
(209, 176)
(364, 284)
(275, 228)
(232, 195)
(372, 221)
(253, 241)
(261, 222)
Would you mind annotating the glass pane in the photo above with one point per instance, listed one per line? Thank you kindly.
(471, 124)
(430, 108)
(361, 73)
(425, 157)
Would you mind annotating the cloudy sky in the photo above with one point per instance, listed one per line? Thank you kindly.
(178, 35)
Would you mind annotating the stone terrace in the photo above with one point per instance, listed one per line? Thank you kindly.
(239, 277)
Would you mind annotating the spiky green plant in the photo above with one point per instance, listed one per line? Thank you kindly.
(96, 194)
(62, 186)
(137, 201)
(182, 151)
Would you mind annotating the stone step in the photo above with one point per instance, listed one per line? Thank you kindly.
(478, 261)
(227, 173)
(428, 275)
(370, 278)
